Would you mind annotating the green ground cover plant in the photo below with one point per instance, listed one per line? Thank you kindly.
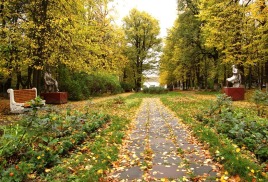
(236, 138)
(65, 144)
(38, 141)
(260, 99)
(245, 130)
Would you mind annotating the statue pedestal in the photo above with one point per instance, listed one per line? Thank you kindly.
(55, 97)
(235, 93)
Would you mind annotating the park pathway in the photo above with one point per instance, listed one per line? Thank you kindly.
(160, 148)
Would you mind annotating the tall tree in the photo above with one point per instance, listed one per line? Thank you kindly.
(237, 30)
(222, 30)
(191, 58)
(42, 27)
(41, 33)
(143, 43)
(168, 61)
(216, 34)
(257, 15)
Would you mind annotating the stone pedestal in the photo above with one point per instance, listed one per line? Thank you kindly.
(235, 93)
(55, 97)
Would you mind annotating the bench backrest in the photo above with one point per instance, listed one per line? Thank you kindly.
(24, 95)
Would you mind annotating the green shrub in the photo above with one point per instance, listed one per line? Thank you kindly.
(127, 87)
(244, 131)
(81, 86)
(223, 102)
(261, 100)
(154, 90)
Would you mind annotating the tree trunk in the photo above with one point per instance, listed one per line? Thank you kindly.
(198, 78)
(188, 83)
(266, 75)
(216, 77)
(29, 76)
(40, 20)
(206, 73)
(242, 73)
(37, 80)
(7, 85)
(250, 78)
(225, 77)
(262, 77)
(138, 84)
(25, 84)
(216, 83)
(19, 80)
(258, 75)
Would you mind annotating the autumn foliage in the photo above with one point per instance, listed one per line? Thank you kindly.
(211, 35)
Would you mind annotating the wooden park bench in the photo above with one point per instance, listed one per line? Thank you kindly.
(20, 98)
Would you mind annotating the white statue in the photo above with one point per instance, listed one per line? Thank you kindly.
(236, 78)
(51, 84)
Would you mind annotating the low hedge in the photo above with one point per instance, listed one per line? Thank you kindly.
(81, 86)
(154, 90)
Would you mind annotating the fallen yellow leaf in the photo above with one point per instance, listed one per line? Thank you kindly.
(47, 170)
(31, 176)
(100, 171)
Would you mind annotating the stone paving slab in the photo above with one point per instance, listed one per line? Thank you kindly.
(160, 147)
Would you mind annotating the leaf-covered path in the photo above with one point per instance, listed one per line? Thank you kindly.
(161, 148)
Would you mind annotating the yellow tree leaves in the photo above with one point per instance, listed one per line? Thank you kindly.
(78, 34)
(233, 28)
(222, 27)
(258, 19)
(217, 34)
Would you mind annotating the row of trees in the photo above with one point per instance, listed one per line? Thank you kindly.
(78, 35)
(211, 35)
(36, 34)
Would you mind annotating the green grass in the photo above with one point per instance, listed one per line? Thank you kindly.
(187, 106)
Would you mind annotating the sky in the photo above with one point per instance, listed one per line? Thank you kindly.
(163, 10)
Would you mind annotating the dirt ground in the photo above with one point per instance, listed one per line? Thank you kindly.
(5, 118)
(4, 104)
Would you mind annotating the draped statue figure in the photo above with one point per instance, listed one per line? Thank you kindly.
(236, 78)
(51, 84)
